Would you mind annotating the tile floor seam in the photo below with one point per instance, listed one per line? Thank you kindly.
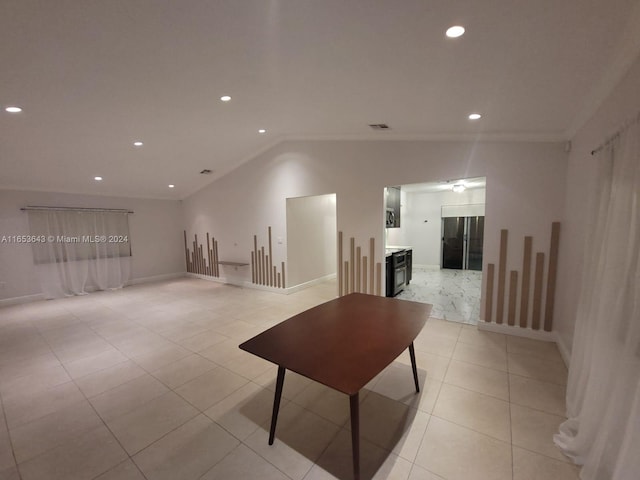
(102, 419)
(510, 415)
(269, 462)
(213, 404)
(537, 379)
(473, 391)
(117, 465)
(13, 452)
(97, 414)
(479, 365)
(305, 303)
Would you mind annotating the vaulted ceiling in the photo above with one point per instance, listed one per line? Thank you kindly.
(94, 76)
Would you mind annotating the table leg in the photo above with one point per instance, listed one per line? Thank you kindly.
(355, 434)
(276, 403)
(412, 353)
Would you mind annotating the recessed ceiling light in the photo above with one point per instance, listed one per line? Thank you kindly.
(13, 109)
(138, 143)
(171, 185)
(475, 116)
(262, 130)
(455, 31)
(459, 188)
(97, 179)
(225, 98)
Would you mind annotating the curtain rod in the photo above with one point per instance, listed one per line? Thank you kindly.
(77, 209)
(616, 135)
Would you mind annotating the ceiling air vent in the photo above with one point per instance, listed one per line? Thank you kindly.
(379, 126)
(206, 171)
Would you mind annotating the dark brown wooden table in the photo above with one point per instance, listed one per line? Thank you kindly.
(343, 344)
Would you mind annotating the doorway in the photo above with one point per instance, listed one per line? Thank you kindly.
(311, 239)
(442, 223)
(462, 242)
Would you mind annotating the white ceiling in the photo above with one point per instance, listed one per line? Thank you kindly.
(93, 76)
(446, 185)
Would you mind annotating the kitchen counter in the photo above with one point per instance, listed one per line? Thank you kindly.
(391, 249)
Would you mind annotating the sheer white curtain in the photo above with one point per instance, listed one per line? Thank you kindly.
(603, 394)
(80, 250)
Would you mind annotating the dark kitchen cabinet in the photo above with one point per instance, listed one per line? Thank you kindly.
(393, 207)
(389, 277)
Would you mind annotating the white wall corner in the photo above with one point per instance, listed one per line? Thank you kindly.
(515, 330)
(565, 351)
(311, 283)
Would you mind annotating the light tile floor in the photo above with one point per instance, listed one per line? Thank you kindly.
(148, 383)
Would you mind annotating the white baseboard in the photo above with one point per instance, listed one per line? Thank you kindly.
(517, 331)
(565, 352)
(208, 278)
(36, 297)
(155, 278)
(310, 283)
(264, 288)
(23, 299)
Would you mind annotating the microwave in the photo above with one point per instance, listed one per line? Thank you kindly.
(390, 218)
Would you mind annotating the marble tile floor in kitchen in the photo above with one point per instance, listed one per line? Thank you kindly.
(148, 383)
(454, 294)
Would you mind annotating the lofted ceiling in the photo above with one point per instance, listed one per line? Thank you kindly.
(93, 76)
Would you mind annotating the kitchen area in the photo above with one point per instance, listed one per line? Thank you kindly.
(433, 245)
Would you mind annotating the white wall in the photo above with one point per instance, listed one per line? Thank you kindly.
(156, 228)
(525, 189)
(311, 238)
(620, 106)
(421, 222)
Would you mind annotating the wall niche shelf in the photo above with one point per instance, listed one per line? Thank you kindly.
(232, 264)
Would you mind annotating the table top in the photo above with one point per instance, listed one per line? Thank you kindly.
(345, 342)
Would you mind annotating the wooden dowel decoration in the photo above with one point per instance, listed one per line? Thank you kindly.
(526, 282)
(359, 273)
(253, 267)
(488, 304)
(216, 257)
(186, 251)
(194, 257)
(255, 250)
(502, 273)
(372, 242)
(358, 270)
(364, 274)
(513, 295)
(203, 259)
(340, 282)
(264, 270)
(209, 259)
(271, 275)
(537, 291)
(346, 277)
(267, 269)
(352, 265)
(551, 276)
